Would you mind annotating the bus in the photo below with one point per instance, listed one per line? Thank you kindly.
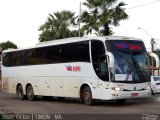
(90, 68)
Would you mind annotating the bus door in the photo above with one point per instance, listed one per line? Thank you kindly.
(104, 76)
(100, 65)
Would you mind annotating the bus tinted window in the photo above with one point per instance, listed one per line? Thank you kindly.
(71, 52)
(8, 59)
(51, 54)
(67, 52)
(81, 51)
(37, 56)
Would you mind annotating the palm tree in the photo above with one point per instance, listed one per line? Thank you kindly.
(58, 26)
(101, 15)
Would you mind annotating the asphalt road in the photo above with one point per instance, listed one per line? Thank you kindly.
(68, 109)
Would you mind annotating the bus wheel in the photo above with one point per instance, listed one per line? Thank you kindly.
(121, 101)
(30, 93)
(152, 93)
(60, 98)
(20, 93)
(87, 96)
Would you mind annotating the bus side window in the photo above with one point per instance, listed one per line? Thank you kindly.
(81, 51)
(103, 68)
(97, 50)
(8, 59)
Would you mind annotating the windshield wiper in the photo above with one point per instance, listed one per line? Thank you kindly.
(139, 69)
(130, 67)
(122, 55)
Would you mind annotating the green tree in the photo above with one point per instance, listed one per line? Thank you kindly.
(8, 44)
(58, 26)
(102, 14)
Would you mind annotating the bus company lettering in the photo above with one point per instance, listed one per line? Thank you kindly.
(73, 68)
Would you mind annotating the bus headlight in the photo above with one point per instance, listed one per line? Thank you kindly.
(117, 89)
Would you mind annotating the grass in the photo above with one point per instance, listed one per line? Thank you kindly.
(1, 117)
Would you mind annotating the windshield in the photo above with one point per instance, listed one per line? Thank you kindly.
(131, 61)
(156, 78)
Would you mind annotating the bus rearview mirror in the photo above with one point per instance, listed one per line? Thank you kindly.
(111, 59)
(155, 56)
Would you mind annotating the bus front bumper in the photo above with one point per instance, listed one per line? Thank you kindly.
(130, 94)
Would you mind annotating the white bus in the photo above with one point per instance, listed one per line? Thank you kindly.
(97, 68)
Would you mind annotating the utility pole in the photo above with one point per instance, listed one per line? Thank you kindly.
(79, 20)
(152, 44)
(152, 47)
(152, 50)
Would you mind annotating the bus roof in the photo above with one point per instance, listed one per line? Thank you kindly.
(76, 39)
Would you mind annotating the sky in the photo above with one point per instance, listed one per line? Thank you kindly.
(20, 19)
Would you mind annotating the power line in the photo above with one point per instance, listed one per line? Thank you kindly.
(143, 5)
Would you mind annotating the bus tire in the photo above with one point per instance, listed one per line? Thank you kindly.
(30, 93)
(121, 101)
(152, 93)
(87, 96)
(20, 93)
(60, 98)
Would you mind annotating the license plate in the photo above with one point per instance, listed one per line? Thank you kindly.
(134, 94)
